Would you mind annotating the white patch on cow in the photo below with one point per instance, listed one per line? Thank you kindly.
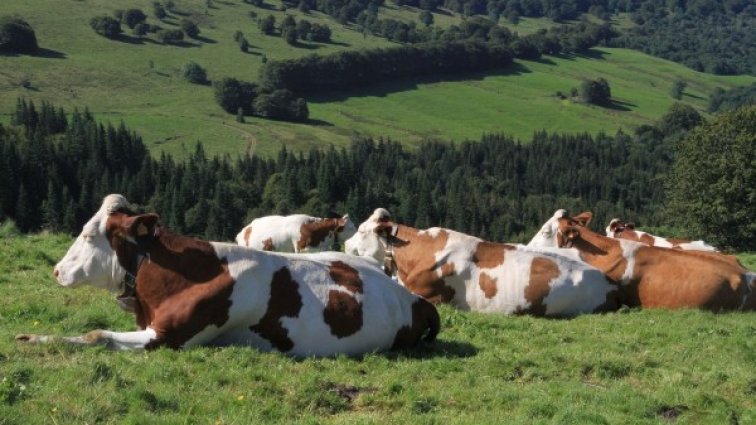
(629, 250)
(285, 231)
(433, 232)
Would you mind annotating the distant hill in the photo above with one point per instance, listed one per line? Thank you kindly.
(139, 81)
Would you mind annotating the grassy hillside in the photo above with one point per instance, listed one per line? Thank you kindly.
(628, 367)
(140, 82)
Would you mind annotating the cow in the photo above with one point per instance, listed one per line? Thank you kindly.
(295, 233)
(442, 265)
(654, 277)
(620, 229)
(190, 292)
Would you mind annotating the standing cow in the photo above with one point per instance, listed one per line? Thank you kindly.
(654, 277)
(442, 265)
(190, 292)
(619, 229)
(295, 233)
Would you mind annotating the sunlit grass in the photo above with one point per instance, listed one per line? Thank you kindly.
(626, 367)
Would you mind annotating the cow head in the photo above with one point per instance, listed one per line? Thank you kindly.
(547, 236)
(113, 233)
(617, 226)
(568, 231)
(345, 228)
(371, 241)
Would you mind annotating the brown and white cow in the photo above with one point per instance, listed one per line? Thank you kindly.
(655, 277)
(295, 233)
(620, 229)
(442, 265)
(190, 292)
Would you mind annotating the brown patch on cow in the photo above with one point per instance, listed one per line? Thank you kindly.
(415, 259)
(424, 318)
(313, 233)
(487, 285)
(542, 271)
(345, 276)
(676, 242)
(181, 290)
(647, 239)
(343, 313)
(489, 255)
(284, 301)
(247, 232)
(268, 245)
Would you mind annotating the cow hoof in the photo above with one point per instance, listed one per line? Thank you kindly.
(25, 338)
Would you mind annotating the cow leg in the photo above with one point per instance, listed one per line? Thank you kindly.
(114, 340)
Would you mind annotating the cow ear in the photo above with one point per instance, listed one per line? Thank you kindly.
(141, 226)
(614, 224)
(584, 218)
(384, 228)
(630, 226)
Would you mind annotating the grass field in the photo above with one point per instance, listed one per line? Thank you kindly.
(139, 81)
(684, 367)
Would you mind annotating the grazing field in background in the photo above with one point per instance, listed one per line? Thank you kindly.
(140, 82)
(633, 366)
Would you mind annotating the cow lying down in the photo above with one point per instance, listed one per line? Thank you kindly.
(619, 229)
(447, 266)
(190, 292)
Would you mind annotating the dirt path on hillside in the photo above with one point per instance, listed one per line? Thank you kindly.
(249, 137)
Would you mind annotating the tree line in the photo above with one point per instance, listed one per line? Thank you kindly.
(57, 167)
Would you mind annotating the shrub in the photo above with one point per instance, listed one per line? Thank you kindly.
(170, 36)
(141, 29)
(190, 28)
(195, 73)
(105, 26)
(17, 36)
(132, 17)
(232, 94)
(595, 91)
(159, 11)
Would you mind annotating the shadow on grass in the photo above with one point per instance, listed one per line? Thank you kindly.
(205, 39)
(436, 349)
(587, 54)
(383, 89)
(319, 123)
(39, 53)
(618, 105)
(338, 43)
(308, 46)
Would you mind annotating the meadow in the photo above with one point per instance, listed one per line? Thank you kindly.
(139, 81)
(683, 367)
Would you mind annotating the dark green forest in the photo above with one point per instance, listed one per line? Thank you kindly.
(707, 35)
(57, 167)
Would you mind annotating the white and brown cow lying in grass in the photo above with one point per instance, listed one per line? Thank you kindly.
(295, 233)
(190, 292)
(654, 277)
(446, 266)
(619, 229)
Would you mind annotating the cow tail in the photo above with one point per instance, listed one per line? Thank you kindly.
(433, 320)
(749, 301)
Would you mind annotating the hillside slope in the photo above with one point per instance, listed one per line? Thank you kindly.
(139, 81)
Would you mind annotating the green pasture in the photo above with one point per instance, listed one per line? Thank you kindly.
(630, 367)
(139, 82)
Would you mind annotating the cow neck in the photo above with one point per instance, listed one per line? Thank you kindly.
(601, 252)
(314, 233)
(174, 263)
(401, 244)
